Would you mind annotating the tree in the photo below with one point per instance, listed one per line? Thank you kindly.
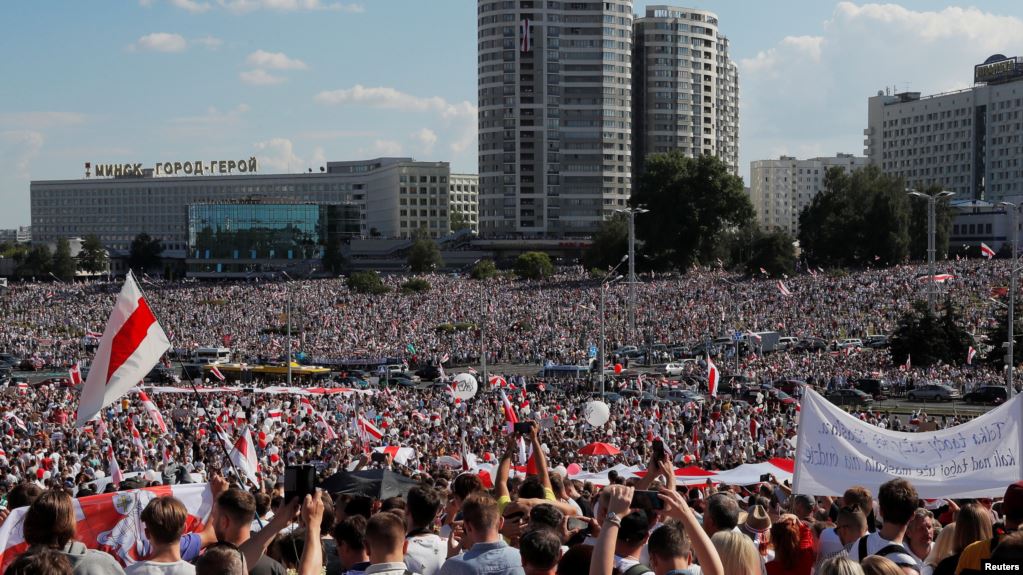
(145, 252)
(928, 339)
(691, 202)
(93, 257)
(459, 221)
(534, 266)
(774, 252)
(860, 218)
(424, 256)
(415, 285)
(366, 282)
(37, 262)
(610, 243)
(918, 226)
(483, 270)
(999, 335)
(63, 264)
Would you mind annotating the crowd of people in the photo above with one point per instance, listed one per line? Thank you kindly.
(450, 522)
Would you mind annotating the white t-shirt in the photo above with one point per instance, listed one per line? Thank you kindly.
(875, 543)
(830, 542)
(426, 553)
(155, 568)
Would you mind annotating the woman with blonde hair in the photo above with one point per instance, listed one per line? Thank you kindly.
(973, 523)
(944, 546)
(738, 554)
(878, 565)
(840, 565)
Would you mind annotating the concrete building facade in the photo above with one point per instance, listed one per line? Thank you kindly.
(969, 141)
(394, 196)
(780, 189)
(685, 87)
(555, 118)
(464, 200)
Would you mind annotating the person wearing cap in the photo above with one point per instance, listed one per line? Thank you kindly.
(973, 557)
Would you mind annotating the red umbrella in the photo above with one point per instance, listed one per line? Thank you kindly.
(600, 449)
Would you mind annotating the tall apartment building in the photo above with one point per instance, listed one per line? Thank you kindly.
(464, 200)
(685, 87)
(780, 189)
(967, 141)
(555, 120)
(394, 196)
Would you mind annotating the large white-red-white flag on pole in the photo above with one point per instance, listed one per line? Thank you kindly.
(712, 377)
(75, 373)
(244, 456)
(115, 470)
(153, 412)
(131, 346)
(986, 251)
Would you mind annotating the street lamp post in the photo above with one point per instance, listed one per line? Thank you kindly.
(1010, 356)
(611, 278)
(931, 200)
(631, 212)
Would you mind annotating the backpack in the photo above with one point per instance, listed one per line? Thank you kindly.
(883, 552)
(638, 569)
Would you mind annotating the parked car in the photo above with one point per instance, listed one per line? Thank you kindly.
(876, 341)
(430, 372)
(609, 396)
(790, 386)
(849, 342)
(787, 342)
(933, 391)
(677, 368)
(875, 388)
(991, 394)
(811, 344)
(354, 382)
(849, 397)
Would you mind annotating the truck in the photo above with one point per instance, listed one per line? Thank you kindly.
(767, 342)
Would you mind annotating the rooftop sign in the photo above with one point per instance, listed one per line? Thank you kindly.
(998, 68)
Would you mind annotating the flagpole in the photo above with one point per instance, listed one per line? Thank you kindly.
(198, 396)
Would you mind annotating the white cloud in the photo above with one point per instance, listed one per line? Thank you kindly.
(426, 138)
(389, 98)
(807, 94)
(17, 150)
(162, 42)
(41, 120)
(274, 61)
(209, 42)
(192, 6)
(290, 6)
(383, 148)
(145, 3)
(278, 155)
(259, 77)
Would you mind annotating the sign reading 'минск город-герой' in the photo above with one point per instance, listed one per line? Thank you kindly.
(836, 451)
(196, 168)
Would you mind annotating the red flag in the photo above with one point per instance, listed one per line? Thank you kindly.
(132, 345)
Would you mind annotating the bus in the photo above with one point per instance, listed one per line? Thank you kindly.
(245, 373)
(564, 371)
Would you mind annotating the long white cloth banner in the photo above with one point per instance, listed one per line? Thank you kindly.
(836, 451)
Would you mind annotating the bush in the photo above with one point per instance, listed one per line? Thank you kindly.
(534, 266)
(366, 282)
(484, 269)
(415, 285)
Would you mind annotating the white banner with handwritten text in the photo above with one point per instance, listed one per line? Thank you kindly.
(836, 451)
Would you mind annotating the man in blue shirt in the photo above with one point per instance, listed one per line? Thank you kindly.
(487, 552)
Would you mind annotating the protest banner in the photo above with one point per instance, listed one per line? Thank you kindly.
(976, 459)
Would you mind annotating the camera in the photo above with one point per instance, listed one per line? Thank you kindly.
(524, 427)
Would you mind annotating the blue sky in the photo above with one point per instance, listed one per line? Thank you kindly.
(300, 82)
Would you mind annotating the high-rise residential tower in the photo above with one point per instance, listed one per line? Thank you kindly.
(555, 118)
(685, 87)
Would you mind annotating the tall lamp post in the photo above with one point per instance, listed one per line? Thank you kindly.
(931, 200)
(631, 212)
(1010, 356)
(288, 308)
(611, 278)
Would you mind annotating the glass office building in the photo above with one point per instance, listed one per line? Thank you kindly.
(250, 237)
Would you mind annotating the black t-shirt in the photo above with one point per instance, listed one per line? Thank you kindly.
(267, 566)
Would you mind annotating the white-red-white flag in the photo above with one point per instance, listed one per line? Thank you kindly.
(131, 346)
(367, 429)
(969, 355)
(986, 251)
(216, 373)
(399, 455)
(153, 412)
(136, 437)
(784, 290)
(510, 418)
(75, 373)
(712, 378)
(329, 431)
(115, 470)
(244, 456)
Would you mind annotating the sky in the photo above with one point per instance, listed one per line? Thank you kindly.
(297, 83)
